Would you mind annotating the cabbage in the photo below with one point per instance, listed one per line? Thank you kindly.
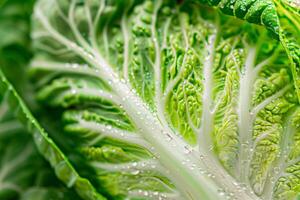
(165, 100)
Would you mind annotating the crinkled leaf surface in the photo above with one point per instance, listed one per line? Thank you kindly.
(281, 17)
(172, 101)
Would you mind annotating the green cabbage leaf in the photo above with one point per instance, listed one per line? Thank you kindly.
(195, 99)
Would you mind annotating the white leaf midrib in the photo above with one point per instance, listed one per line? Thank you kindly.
(204, 135)
(247, 78)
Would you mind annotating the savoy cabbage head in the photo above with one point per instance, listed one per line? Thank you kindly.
(166, 100)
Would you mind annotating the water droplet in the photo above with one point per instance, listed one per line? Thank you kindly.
(187, 150)
(75, 65)
(136, 172)
(272, 179)
(221, 192)
(73, 91)
(276, 170)
(169, 137)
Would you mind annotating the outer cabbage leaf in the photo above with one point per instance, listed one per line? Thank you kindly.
(289, 17)
(12, 111)
(262, 12)
(24, 173)
(164, 101)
